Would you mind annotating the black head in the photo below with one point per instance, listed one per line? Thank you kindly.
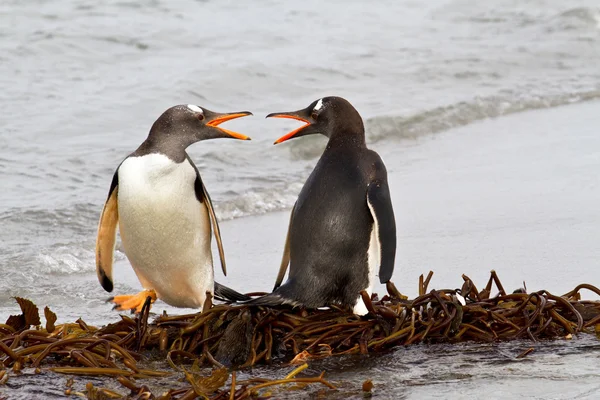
(184, 125)
(331, 116)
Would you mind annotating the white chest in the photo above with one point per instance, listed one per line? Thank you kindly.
(154, 178)
(157, 201)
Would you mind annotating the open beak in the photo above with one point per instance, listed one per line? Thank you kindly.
(217, 119)
(290, 115)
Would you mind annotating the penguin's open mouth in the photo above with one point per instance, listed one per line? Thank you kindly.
(295, 131)
(220, 118)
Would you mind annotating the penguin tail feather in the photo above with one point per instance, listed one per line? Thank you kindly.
(225, 293)
(271, 300)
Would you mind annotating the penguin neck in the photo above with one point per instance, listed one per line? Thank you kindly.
(167, 143)
(347, 139)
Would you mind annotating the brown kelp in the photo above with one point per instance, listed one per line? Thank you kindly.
(226, 337)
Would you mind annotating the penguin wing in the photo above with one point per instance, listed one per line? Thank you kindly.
(285, 259)
(107, 236)
(380, 205)
(202, 196)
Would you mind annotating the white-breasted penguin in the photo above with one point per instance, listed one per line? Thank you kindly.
(165, 215)
(342, 231)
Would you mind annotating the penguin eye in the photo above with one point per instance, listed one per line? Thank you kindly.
(314, 115)
(200, 117)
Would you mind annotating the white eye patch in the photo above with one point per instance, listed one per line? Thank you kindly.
(195, 108)
(318, 105)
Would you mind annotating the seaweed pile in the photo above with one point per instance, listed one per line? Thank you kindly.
(227, 337)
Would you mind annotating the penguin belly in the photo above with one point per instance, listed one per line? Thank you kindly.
(165, 230)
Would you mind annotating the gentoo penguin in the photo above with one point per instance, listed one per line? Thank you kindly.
(164, 214)
(342, 230)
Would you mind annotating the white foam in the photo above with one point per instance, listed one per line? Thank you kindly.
(195, 108)
(318, 105)
(65, 260)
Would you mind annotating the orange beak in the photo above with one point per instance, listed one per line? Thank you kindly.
(292, 133)
(220, 118)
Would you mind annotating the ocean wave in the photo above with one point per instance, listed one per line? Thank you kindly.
(276, 197)
(579, 17)
(66, 260)
(551, 18)
(439, 119)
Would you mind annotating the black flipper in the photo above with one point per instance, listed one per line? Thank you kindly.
(224, 293)
(202, 196)
(380, 204)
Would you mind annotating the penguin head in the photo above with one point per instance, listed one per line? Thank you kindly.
(188, 124)
(330, 116)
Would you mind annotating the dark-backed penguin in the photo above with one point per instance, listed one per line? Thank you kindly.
(165, 215)
(342, 231)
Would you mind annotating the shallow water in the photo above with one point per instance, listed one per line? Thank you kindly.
(82, 82)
